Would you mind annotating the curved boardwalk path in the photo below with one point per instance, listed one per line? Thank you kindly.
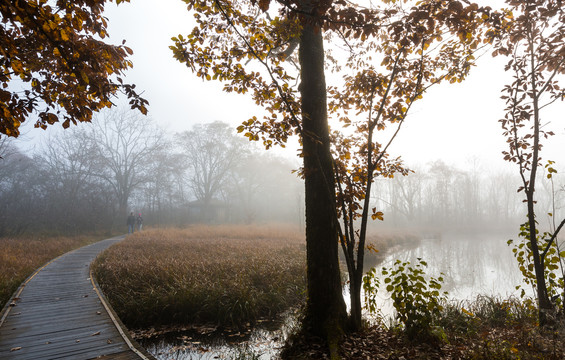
(59, 313)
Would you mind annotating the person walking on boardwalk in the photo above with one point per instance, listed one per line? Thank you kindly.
(139, 222)
(131, 223)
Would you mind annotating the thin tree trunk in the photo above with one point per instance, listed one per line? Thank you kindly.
(539, 266)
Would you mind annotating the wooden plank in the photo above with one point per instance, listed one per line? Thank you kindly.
(58, 314)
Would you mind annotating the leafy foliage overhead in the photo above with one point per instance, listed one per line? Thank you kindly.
(249, 47)
(54, 63)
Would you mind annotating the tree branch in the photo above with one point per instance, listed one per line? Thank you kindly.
(552, 240)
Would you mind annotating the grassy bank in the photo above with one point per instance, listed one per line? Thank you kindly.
(486, 328)
(21, 256)
(225, 275)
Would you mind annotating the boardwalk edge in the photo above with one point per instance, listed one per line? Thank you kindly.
(122, 329)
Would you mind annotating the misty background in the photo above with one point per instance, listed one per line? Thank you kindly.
(89, 177)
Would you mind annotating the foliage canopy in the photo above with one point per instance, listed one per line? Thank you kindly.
(54, 62)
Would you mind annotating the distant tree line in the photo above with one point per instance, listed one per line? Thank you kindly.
(88, 178)
(439, 195)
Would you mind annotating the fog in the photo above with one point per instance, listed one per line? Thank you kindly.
(88, 178)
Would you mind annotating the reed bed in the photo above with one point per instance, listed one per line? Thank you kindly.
(228, 276)
(21, 256)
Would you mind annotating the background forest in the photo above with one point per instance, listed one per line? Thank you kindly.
(90, 177)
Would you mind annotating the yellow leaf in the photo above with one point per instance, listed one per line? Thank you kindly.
(378, 215)
(84, 77)
(17, 66)
(372, 248)
(467, 312)
(64, 35)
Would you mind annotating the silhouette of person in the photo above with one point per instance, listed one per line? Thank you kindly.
(131, 223)
(139, 221)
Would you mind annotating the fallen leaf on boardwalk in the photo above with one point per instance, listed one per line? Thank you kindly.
(16, 348)
(109, 341)
(98, 313)
(77, 341)
(47, 342)
(96, 333)
(13, 303)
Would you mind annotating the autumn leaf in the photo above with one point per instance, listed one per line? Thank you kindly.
(47, 66)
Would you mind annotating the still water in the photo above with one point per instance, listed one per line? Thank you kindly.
(472, 265)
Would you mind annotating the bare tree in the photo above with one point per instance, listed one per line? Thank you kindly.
(163, 192)
(68, 160)
(211, 151)
(20, 192)
(124, 142)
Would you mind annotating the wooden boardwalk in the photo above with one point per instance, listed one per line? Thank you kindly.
(59, 313)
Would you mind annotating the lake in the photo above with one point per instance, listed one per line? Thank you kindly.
(472, 265)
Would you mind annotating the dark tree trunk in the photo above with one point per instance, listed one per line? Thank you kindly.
(325, 309)
(355, 318)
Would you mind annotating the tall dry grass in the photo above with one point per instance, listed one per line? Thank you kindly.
(21, 256)
(225, 275)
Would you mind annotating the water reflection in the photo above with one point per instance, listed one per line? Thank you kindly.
(472, 265)
(261, 343)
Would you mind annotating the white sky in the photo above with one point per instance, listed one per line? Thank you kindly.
(452, 122)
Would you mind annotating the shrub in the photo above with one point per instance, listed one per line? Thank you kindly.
(417, 300)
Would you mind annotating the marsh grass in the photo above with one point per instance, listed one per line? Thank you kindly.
(21, 256)
(469, 318)
(493, 328)
(229, 276)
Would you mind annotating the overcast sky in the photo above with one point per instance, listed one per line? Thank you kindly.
(452, 122)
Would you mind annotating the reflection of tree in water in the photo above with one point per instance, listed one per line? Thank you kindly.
(471, 264)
